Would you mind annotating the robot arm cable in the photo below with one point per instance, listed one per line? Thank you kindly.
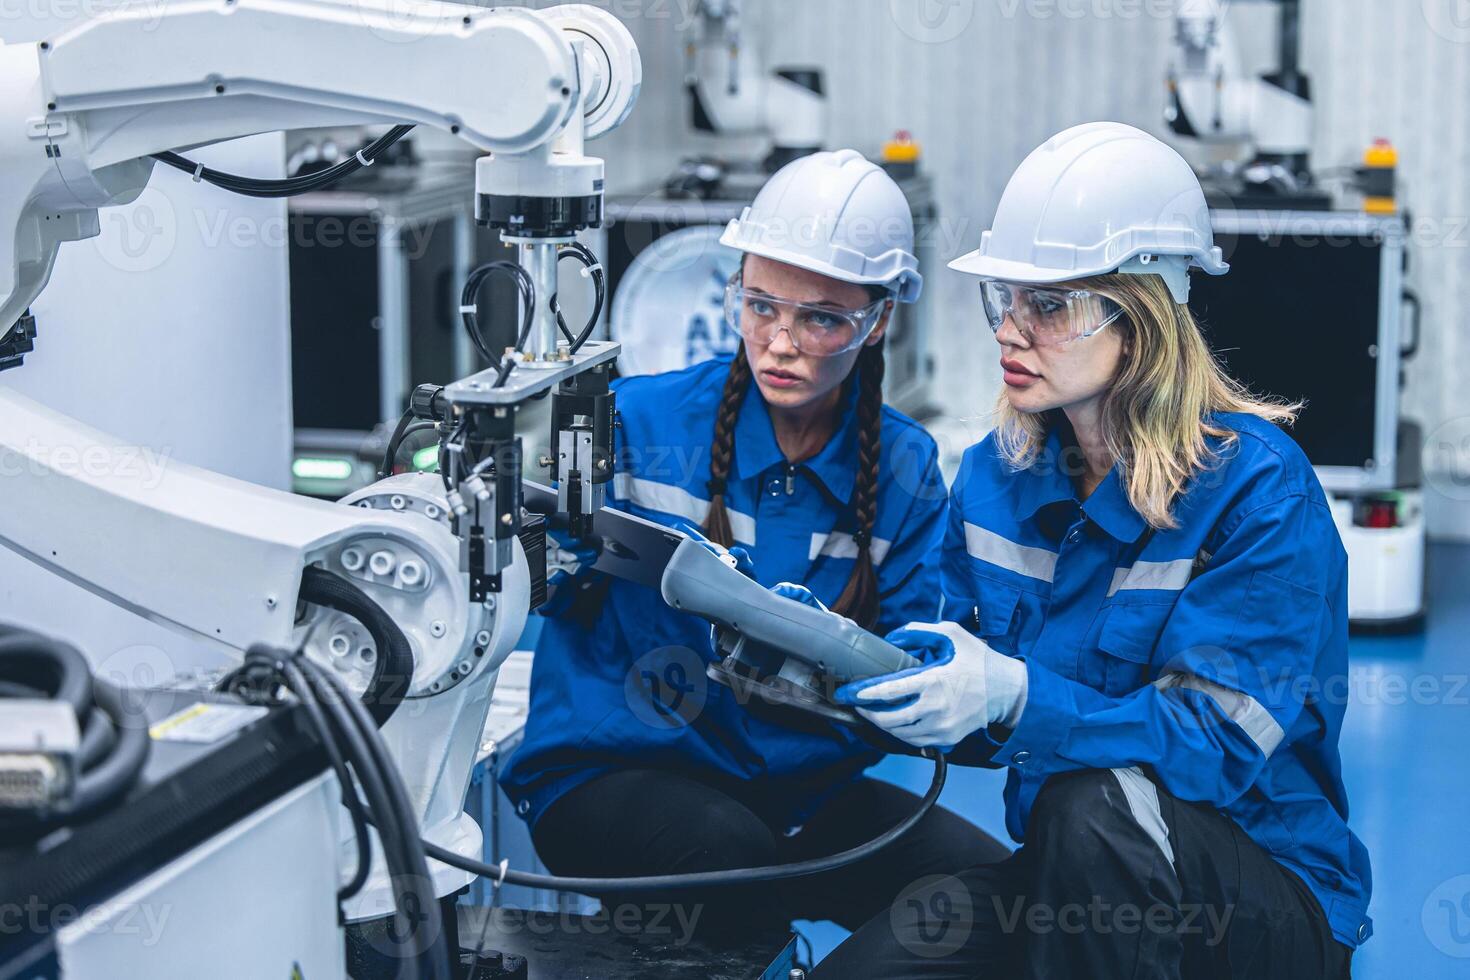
(707, 879)
(407, 427)
(394, 666)
(593, 269)
(393, 669)
(469, 303)
(344, 727)
(350, 800)
(290, 186)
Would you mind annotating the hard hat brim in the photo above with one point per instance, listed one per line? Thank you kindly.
(1008, 270)
(989, 267)
(906, 288)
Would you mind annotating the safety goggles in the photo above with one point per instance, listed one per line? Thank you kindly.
(815, 329)
(1047, 317)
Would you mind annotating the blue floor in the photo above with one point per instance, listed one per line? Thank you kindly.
(1406, 761)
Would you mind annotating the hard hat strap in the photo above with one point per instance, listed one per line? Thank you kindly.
(1174, 269)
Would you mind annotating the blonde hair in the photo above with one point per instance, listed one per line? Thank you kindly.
(1155, 416)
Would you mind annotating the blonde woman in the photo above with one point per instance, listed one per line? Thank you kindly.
(1145, 595)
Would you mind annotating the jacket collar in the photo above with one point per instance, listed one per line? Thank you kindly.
(1109, 509)
(1045, 481)
(1048, 482)
(756, 448)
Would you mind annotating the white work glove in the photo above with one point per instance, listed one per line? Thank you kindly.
(962, 687)
(736, 557)
(567, 557)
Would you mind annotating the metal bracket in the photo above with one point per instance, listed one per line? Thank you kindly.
(19, 341)
(46, 127)
(529, 380)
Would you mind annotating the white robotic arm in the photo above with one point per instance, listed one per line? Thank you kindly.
(82, 116)
(733, 95)
(84, 112)
(1212, 99)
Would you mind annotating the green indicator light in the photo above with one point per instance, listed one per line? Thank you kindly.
(316, 468)
(426, 460)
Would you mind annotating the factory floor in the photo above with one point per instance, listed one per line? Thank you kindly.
(1406, 761)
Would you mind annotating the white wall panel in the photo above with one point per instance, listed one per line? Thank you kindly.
(979, 84)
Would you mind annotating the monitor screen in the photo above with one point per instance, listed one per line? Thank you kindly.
(1298, 317)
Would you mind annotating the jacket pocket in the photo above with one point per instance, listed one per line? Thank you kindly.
(1259, 817)
(997, 615)
(1127, 641)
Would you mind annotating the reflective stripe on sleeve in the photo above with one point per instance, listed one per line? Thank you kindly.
(1240, 708)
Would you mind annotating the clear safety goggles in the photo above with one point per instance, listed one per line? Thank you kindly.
(815, 329)
(1047, 317)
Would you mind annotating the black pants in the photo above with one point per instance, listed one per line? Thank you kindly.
(1094, 894)
(641, 822)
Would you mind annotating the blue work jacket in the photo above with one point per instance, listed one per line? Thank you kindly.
(625, 686)
(1213, 654)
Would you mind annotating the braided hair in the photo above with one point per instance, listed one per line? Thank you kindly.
(737, 383)
(860, 600)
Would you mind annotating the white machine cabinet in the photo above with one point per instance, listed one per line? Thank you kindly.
(1314, 308)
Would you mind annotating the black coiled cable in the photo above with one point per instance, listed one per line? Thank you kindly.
(593, 268)
(469, 310)
(705, 879)
(373, 792)
(114, 744)
(393, 668)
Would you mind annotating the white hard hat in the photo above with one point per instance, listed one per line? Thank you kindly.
(1095, 199)
(836, 214)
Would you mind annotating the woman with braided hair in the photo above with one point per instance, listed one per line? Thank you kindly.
(860, 598)
(634, 762)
